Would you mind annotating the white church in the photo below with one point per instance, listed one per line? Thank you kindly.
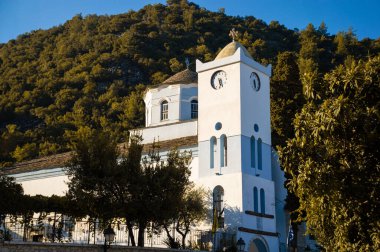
(221, 113)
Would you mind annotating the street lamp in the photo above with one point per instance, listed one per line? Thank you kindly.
(109, 236)
(240, 245)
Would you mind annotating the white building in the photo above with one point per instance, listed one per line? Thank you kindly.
(233, 156)
(222, 114)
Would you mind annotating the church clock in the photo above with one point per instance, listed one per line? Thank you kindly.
(218, 79)
(254, 81)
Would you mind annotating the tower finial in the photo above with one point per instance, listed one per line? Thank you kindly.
(187, 62)
(233, 34)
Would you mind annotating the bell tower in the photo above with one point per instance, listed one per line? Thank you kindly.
(234, 141)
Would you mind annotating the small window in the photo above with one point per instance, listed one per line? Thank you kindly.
(223, 151)
(262, 200)
(259, 154)
(255, 200)
(212, 151)
(194, 109)
(253, 151)
(164, 110)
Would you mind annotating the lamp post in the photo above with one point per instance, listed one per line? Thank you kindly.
(109, 236)
(240, 245)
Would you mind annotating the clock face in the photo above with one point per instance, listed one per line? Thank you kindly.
(218, 79)
(254, 81)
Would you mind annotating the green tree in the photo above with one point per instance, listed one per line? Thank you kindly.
(286, 97)
(10, 195)
(157, 195)
(334, 159)
(91, 172)
(141, 190)
(28, 150)
(192, 209)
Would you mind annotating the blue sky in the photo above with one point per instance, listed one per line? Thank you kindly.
(20, 16)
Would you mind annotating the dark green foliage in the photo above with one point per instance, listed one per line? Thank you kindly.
(140, 190)
(334, 159)
(84, 72)
(11, 195)
(286, 97)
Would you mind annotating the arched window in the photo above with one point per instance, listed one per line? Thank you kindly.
(212, 151)
(164, 110)
(262, 201)
(259, 154)
(223, 151)
(253, 151)
(255, 200)
(218, 207)
(194, 109)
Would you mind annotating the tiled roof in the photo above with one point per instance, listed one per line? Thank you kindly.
(184, 77)
(59, 160)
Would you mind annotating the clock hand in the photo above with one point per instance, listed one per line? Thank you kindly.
(220, 82)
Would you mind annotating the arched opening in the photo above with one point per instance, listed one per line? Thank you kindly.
(253, 152)
(194, 109)
(262, 201)
(259, 154)
(212, 151)
(255, 200)
(223, 150)
(164, 110)
(257, 245)
(218, 206)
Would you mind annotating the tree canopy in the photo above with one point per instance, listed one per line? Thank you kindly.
(139, 189)
(334, 158)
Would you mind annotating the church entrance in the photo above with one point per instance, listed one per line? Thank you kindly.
(258, 245)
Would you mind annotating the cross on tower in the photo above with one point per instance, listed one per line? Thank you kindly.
(233, 34)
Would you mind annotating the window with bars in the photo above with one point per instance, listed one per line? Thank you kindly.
(194, 109)
(259, 154)
(253, 151)
(212, 151)
(164, 110)
(223, 151)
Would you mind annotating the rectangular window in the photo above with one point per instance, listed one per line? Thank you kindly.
(164, 111)
(194, 110)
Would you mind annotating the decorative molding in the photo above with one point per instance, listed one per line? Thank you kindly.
(269, 216)
(259, 232)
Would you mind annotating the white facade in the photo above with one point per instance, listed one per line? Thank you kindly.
(239, 113)
(232, 124)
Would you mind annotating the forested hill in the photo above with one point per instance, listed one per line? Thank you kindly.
(91, 71)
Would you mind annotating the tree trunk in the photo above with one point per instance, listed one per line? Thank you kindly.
(170, 237)
(140, 241)
(53, 231)
(183, 234)
(130, 233)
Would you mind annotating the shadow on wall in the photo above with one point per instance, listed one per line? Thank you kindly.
(232, 217)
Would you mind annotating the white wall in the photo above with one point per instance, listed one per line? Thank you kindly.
(178, 97)
(167, 132)
(44, 182)
(255, 105)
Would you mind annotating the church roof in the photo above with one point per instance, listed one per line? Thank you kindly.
(60, 160)
(184, 77)
(230, 49)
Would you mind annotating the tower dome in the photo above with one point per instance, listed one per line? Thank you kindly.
(230, 49)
